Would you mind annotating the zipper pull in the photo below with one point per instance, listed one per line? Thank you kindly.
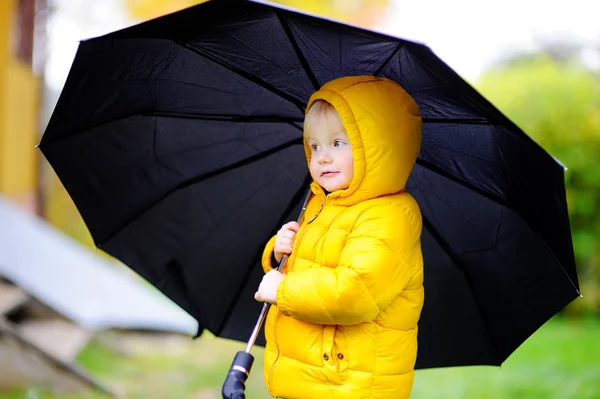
(318, 212)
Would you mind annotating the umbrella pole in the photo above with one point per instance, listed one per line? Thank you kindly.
(233, 387)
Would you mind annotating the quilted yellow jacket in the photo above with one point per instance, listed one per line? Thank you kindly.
(346, 321)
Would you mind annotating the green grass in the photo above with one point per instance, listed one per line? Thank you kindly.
(560, 361)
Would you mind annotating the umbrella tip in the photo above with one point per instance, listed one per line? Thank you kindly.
(560, 163)
(37, 146)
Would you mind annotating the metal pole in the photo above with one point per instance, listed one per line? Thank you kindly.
(233, 387)
(263, 314)
(267, 306)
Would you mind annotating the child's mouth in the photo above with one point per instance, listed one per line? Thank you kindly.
(328, 174)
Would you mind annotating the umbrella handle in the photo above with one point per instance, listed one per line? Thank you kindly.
(233, 387)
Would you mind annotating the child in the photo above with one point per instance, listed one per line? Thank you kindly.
(348, 302)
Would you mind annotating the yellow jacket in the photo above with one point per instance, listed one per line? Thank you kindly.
(346, 321)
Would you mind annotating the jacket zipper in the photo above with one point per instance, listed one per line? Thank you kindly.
(313, 217)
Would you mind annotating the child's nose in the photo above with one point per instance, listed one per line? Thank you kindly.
(324, 156)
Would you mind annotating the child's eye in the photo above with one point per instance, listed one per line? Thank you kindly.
(338, 143)
(315, 147)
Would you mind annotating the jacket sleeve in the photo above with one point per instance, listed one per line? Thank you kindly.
(374, 267)
(268, 254)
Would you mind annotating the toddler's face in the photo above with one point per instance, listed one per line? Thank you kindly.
(331, 162)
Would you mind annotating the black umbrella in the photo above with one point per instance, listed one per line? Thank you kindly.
(180, 142)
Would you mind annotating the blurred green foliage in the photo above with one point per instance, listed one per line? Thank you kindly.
(556, 101)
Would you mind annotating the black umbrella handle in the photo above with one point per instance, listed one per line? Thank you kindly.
(233, 387)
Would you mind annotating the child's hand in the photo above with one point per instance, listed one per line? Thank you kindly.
(285, 240)
(267, 290)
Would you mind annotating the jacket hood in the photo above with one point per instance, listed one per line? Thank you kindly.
(384, 126)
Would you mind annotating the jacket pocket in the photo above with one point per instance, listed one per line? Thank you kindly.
(342, 355)
(335, 355)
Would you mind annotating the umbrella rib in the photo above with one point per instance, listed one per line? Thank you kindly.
(498, 201)
(468, 91)
(297, 197)
(462, 121)
(217, 118)
(247, 76)
(431, 167)
(456, 261)
(387, 61)
(200, 178)
(299, 54)
(228, 118)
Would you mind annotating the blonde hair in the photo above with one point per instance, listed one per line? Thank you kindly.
(320, 111)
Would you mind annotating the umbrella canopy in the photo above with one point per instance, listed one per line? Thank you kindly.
(180, 142)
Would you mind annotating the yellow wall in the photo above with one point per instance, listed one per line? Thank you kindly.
(148, 9)
(60, 211)
(365, 13)
(19, 105)
(20, 97)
